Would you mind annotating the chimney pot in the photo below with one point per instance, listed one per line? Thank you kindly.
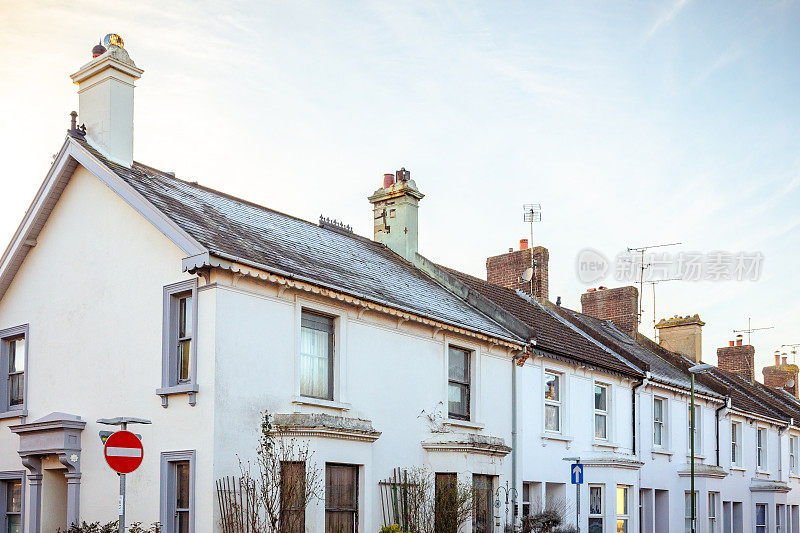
(738, 340)
(730, 343)
(778, 359)
(784, 359)
(388, 180)
(523, 244)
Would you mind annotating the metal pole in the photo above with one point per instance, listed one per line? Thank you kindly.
(691, 437)
(578, 508)
(122, 494)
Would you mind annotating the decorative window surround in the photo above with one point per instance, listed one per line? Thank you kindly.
(466, 443)
(6, 410)
(169, 381)
(325, 426)
(167, 486)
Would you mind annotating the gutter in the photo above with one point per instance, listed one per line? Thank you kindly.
(640, 383)
(727, 404)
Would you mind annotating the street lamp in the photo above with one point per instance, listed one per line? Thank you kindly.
(696, 369)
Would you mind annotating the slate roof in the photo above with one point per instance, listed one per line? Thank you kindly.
(552, 334)
(254, 235)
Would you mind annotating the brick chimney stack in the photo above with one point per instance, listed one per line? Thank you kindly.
(738, 358)
(619, 305)
(782, 375)
(682, 335)
(507, 269)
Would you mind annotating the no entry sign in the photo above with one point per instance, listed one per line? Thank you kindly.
(124, 452)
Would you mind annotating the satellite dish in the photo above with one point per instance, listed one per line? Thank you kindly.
(528, 274)
(790, 383)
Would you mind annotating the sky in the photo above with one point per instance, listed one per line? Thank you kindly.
(631, 123)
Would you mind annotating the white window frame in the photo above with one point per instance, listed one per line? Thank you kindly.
(762, 457)
(169, 351)
(5, 477)
(624, 516)
(339, 316)
(713, 512)
(687, 510)
(606, 414)
(601, 515)
(167, 488)
(794, 448)
(761, 528)
(736, 443)
(558, 404)
(663, 422)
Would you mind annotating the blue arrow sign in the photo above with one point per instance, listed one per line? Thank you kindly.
(576, 474)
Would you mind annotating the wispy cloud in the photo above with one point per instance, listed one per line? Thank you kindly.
(666, 18)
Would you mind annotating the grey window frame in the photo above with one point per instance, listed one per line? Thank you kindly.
(467, 384)
(7, 410)
(660, 423)
(761, 449)
(12, 475)
(167, 487)
(169, 381)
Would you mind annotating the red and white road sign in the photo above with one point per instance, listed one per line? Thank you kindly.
(124, 452)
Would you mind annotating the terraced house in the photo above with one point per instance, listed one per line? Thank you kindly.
(129, 292)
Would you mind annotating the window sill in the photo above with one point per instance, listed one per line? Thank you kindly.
(795, 476)
(604, 444)
(184, 388)
(697, 457)
(662, 451)
(13, 413)
(556, 437)
(736, 468)
(760, 472)
(454, 422)
(318, 402)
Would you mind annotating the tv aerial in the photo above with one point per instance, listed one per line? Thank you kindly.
(532, 213)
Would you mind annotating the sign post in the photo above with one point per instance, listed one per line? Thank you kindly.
(576, 478)
(124, 453)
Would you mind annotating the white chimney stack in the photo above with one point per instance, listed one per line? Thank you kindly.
(105, 100)
(395, 209)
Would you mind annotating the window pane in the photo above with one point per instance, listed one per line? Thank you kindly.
(184, 360)
(551, 418)
(13, 496)
(183, 521)
(458, 401)
(316, 357)
(458, 365)
(185, 316)
(622, 500)
(551, 387)
(16, 388)
(182, 485)
(15, 524)
(600, 397)
(595, 500)
(761, 514)
(657, 436)
(658, 410)
(595, 525)
(600, 426)
(16, 355)
(622, 526)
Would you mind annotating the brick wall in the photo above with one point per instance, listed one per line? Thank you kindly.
(507, 269)
(777, 376)
(739, 359)
(619, 305)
